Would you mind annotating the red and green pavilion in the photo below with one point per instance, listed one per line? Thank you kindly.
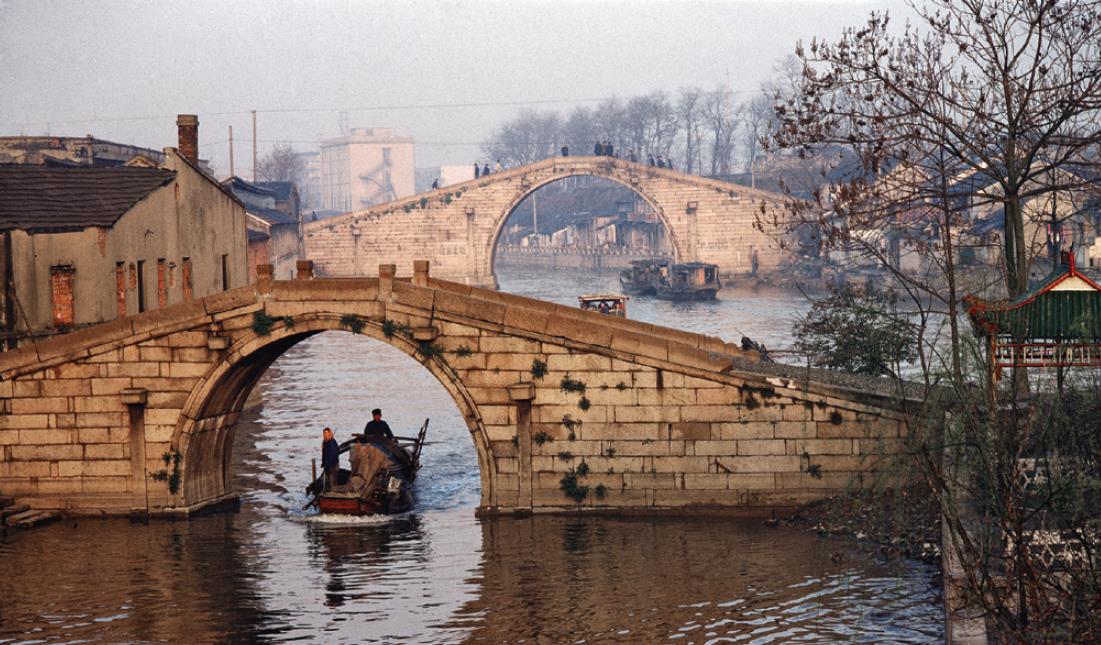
(1056, 324)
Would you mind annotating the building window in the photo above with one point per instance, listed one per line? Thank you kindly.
(162, 285)
(61, 295)
(225, 272)
(185, 279)
(141, 286)
(120, 288)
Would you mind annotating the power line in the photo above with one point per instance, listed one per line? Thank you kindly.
(370, 108)
(305, 110)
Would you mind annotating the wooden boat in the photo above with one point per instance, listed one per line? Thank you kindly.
(610, 304)
(639, 279)
(690, 281)
(380, 480)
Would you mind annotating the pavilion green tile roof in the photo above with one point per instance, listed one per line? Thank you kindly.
(1065, 306)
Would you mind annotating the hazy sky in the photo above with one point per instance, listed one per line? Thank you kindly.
(123, 70)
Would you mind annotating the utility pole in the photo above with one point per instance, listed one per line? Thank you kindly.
(231, 173)
(254, 145)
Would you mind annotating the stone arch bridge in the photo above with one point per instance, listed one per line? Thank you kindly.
(138, 414)
(456, 227)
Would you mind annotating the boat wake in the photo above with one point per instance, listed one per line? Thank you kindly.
(336, 519)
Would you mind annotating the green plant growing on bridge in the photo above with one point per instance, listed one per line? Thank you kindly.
(262, 323)
(538, 369)
(407, 208)
(621, 386)
(571, 425)
(565, 455)
(570, 486)
(582, 469)
(584, 403)
(352, 323)
(609, 452)
(814, 470)
(572, 385)
(173, 459)
(288, 321)
(424, 202)
(390, 327)
(541, 438)
(462, 351)
(429, 349)
(447, 198)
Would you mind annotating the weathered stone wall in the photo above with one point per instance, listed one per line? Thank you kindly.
(664, 420)
(456, 227)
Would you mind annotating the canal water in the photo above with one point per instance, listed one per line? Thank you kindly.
(273, 572)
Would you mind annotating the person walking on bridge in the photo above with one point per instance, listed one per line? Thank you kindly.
(497, 166)
(477, 170)
(485, 170)
(598, 149)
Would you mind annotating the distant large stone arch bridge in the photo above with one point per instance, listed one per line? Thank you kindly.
(456, 227)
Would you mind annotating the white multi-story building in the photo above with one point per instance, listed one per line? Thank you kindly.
(366, 167)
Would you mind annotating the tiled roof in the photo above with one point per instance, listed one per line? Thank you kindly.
(272, 216)
(235, 183)
(282, 189)
(39, 199)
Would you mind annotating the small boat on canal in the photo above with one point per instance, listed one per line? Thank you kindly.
(605, 303)
(690, 281)
(639, 279)
(380, 480)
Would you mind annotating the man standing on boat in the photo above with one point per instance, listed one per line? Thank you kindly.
(376, 427)
(330, 458)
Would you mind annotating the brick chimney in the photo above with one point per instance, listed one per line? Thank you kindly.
(188, 126)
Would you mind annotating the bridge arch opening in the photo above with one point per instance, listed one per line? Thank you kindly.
(379, 371)
(581, 220)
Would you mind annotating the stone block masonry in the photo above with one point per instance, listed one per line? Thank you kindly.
(566, 409)
(457, 227)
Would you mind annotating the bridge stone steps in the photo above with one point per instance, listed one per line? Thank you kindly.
(13, 509)
(31, 519)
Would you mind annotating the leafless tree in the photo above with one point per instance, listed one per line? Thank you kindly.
(690, 117)
(1010, 90)
(283, 163)
(721, 116)
(530, 137)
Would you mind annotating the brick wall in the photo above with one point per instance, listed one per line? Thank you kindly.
(61, 296)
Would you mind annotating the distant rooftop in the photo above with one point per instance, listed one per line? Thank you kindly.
(368, 135)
